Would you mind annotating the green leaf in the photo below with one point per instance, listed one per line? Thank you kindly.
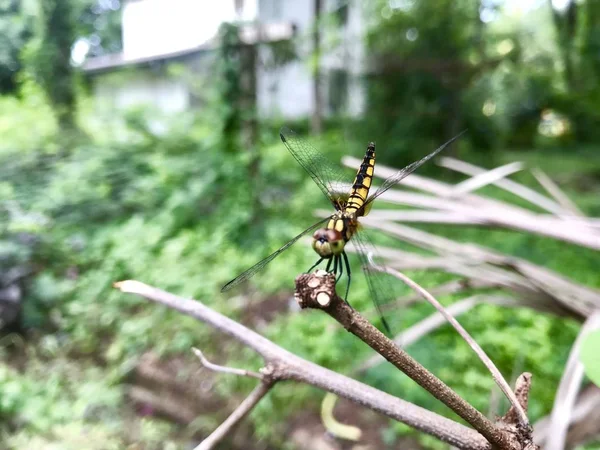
(590, 356)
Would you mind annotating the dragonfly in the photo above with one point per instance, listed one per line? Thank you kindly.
(332, 234)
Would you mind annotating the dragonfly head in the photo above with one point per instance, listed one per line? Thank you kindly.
(328, 242)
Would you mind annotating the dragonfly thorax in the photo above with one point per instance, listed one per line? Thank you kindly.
(330, 241)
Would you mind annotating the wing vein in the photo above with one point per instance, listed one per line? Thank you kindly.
(259, 265)
(324, 173)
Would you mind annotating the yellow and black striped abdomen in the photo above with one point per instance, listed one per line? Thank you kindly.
(362, 182)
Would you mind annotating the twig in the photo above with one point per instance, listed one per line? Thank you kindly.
(480, 210)
(498, 378)
(223, 369)
(576, 231)
(483, 179)
(539, 287)
(240, 412)
(244, 408)
(553, 189)
(426, 216)
(522, 387)
(288, 366)
(318, 291)
(511, 186)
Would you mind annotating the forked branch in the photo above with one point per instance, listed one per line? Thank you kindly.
(317, 291)
(287, 366)
(236, 417)
(496, 375)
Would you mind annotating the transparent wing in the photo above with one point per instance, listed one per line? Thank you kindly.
(382, 287)
(261, 264)
(327, 175)
(400, 175)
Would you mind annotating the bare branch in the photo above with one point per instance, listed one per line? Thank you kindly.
(483, 179)
(576, 231)
(318, 291)
(498, 378)
(538, 287)
(236, 417)
(511, 186)
(288, 366)
(223, 369)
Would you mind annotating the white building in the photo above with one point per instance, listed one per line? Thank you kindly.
(161, 36)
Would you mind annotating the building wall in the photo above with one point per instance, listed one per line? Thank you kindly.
(285, 91)
(347, 57)
(288, 91)
(281, 92)
(156, 27)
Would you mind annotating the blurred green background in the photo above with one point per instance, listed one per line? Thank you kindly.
(185, 194)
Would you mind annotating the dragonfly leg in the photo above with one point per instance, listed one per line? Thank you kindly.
(335, 264)
(349, 272)
(341, 269)
(314, 265)
(329, 264)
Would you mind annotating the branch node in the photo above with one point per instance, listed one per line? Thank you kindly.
(323, 299)
(223, 369)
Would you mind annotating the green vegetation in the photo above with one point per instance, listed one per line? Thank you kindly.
(589, 347)
(177, 210)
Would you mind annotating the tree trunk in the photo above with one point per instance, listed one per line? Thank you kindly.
(565, 24)
(249, 125)
(316, 122)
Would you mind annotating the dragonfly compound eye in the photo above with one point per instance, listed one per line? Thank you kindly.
(337, 246)
(328, 242)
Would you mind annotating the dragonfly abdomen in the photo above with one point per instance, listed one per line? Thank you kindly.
(362, 182)
(344, 223)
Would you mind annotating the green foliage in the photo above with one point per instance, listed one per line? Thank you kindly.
(589, 356)
(174, 211)
(16, 27)
(579, 40)
(429, 58)
(99, 23)
(58, 402)
(178, 210)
